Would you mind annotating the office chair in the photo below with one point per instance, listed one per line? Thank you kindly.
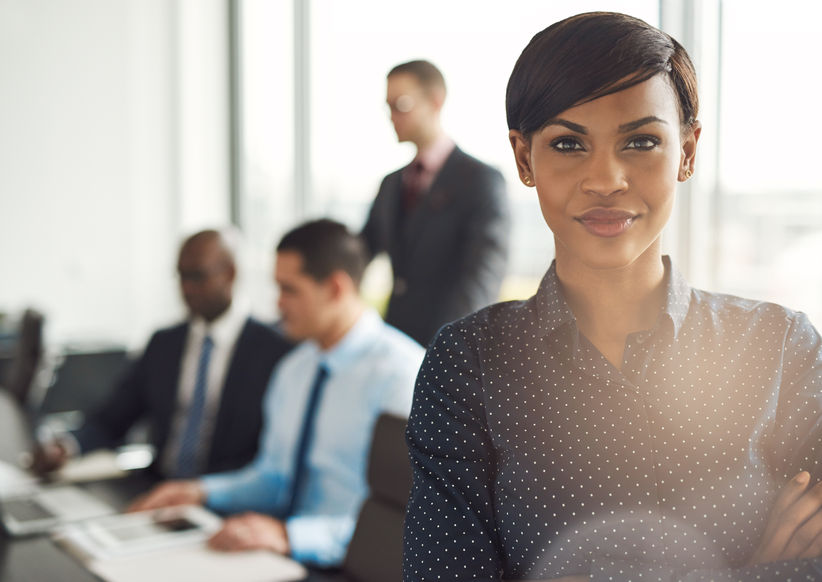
(83, 379)
(27, 358)
(375, 551)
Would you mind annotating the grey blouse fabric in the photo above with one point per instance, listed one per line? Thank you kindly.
(534, 457)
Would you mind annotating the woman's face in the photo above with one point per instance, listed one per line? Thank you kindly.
(606, 171)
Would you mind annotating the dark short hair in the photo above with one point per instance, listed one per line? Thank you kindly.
(428, 75)
(591, 55)
(226, 239)
(326, 246)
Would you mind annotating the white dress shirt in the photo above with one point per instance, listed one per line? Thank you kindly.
(224, 332)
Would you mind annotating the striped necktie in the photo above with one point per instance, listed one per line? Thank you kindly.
(189, 443)
(306, 435)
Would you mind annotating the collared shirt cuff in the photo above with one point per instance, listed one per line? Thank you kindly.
(70, 444)
(46, 434)
(218, 490)
(319, 540)
(244, 490)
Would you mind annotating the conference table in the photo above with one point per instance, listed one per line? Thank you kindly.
(36, 558)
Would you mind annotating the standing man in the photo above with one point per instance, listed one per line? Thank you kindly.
(443, 218)
(198, 385)
(302, 492)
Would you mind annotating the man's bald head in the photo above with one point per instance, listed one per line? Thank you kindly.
(207, 270)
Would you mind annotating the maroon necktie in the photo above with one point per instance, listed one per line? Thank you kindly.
(412, 185)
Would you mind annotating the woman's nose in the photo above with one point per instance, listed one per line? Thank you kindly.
(605, 175)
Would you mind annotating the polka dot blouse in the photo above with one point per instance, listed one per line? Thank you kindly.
(536, 458)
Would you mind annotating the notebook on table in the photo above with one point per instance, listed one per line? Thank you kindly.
(167, 544)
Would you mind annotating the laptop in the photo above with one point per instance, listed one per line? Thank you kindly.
(27, 507)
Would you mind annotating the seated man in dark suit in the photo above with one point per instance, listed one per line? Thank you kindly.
(198, 385)
(443, 219)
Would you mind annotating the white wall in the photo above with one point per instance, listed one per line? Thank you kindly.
(112, 137)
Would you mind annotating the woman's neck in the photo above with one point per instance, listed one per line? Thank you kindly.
(610, 304)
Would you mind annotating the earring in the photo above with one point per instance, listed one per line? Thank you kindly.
(527, 180)
(688, 174)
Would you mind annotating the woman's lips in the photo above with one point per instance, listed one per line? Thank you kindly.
(606, 222)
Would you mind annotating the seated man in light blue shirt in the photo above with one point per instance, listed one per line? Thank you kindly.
(304, 489)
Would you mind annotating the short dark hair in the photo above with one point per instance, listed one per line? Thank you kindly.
(425, 72)
(326, 246)
(226, 239)
(591, 55)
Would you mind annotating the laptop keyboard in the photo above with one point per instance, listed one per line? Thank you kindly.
(24, 510)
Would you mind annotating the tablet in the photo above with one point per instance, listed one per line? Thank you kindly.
(132, 533)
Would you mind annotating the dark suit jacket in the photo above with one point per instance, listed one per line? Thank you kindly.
(148, 391)
(449, 254)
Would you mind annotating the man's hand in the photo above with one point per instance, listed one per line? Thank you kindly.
(48, 456)
(251, 531)
(168, 494)
(794, 528)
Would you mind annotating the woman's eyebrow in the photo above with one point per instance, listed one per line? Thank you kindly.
(632, 125)
(624, 128)
(569, 124)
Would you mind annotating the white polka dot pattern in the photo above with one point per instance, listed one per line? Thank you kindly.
(535, 458)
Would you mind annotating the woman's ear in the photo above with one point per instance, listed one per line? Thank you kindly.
(688, 156)
(522, 155)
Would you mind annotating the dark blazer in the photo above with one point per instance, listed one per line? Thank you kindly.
(148, 391)
(449, 254)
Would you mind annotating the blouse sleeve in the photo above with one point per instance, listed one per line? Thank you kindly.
(795, 443)
(450, 529)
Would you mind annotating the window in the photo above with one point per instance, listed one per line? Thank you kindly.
(351, 143)
(267, 205)
(769, 194)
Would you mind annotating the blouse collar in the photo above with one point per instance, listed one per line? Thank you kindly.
(553, 310)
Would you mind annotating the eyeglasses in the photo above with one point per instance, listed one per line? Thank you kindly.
(402, 104)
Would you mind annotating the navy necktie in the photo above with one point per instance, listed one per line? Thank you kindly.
(187, 458)
(306, 435)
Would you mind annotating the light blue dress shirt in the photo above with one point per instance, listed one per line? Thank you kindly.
(372, 370)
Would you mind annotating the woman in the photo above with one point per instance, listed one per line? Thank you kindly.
(618, 425)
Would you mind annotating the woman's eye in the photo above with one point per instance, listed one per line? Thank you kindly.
(566, 144)
(643, 142)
